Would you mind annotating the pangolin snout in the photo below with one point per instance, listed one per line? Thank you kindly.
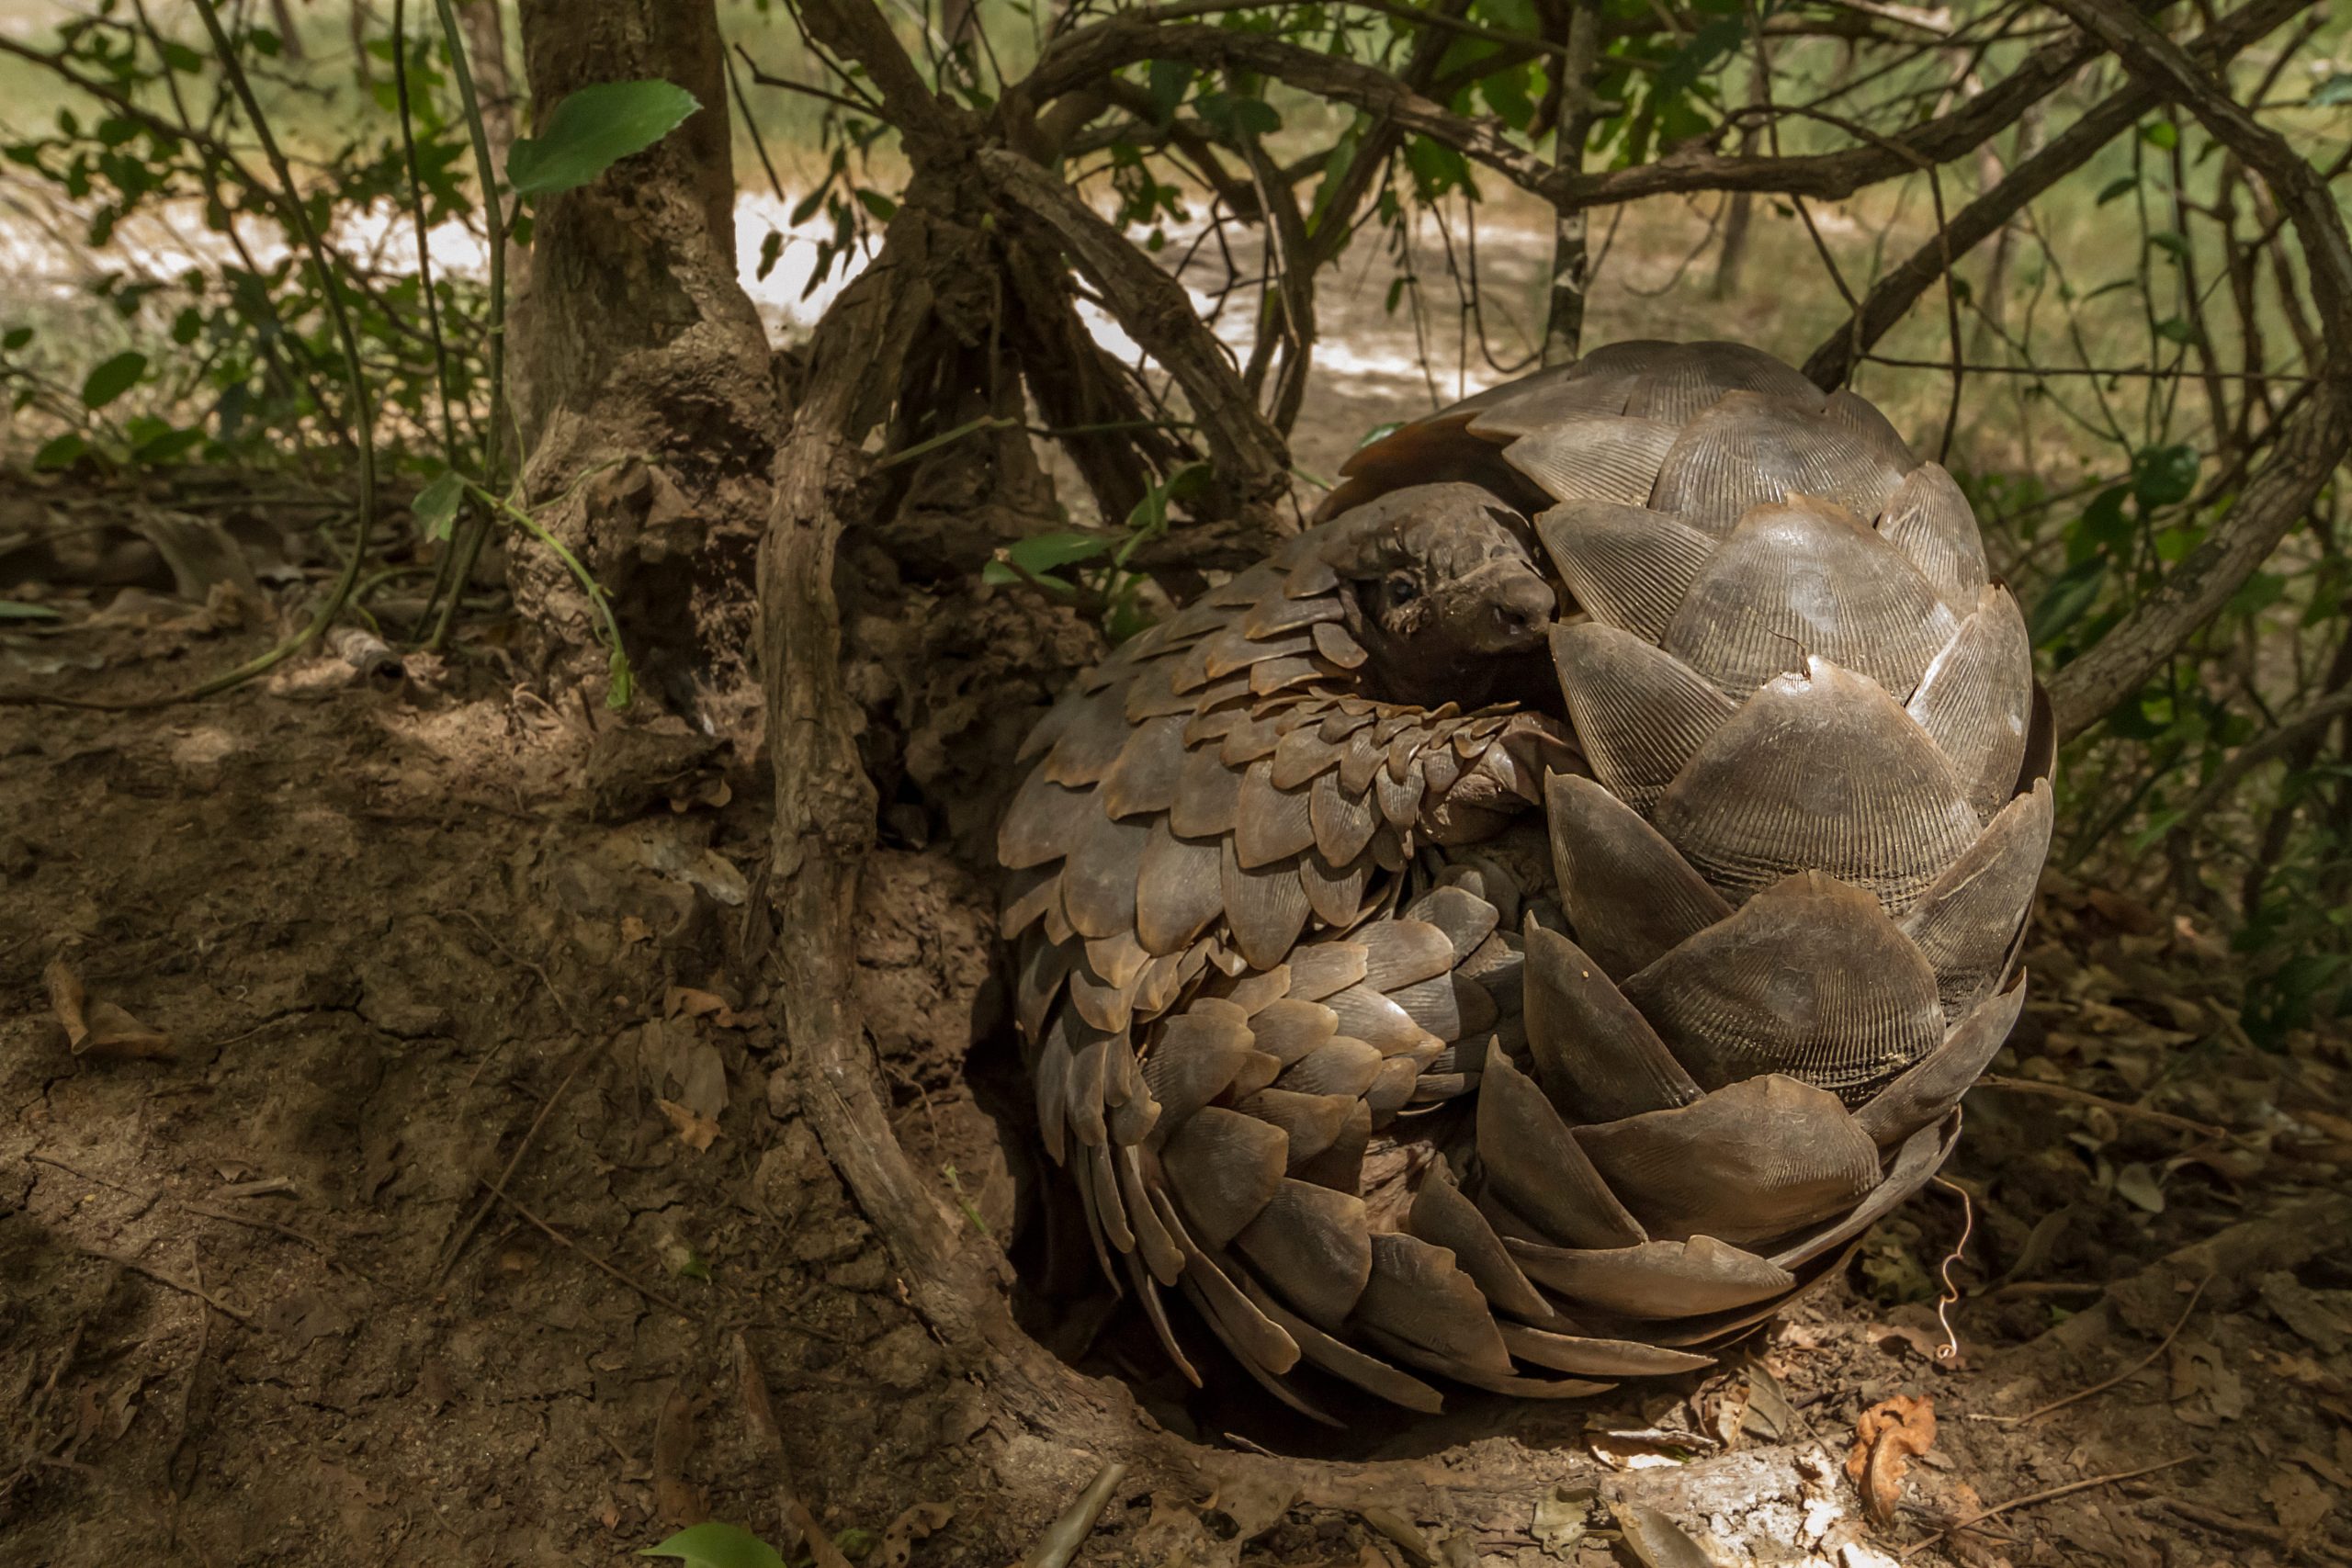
(1520, 606)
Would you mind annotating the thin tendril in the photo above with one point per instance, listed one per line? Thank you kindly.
(1950, 1350)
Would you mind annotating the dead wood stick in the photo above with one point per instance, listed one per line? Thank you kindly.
(198, 1292)
(275, 1227)
(1067, 1534)
(821, 1549)
(557, 1237)
(473, 1221)
(2134, 1369)
(2223, 1523)
(2117, 1107)
(2046, 1494)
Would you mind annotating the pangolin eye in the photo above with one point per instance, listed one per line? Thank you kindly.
(1402, 589)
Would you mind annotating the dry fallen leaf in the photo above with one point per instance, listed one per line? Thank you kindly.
(697, 1132)
(1657, 1539)
(98, 1029)
(897, 1542)
(1560, 1519)
(114, 1032)
(1889, 1435)
(2299, 1501)
(675, 1498)
(65, 999)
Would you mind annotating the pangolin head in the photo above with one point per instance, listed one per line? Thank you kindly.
(1440, 573)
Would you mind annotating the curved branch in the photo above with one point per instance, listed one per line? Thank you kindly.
(1091, 52)
(1833, 177)
(1832, 363)
(824, 802)
(2309, 444)
(2291, 731)
(1083, 56)
(1250, 456)
(2166, 68)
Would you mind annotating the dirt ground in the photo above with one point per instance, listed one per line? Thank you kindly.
(417, 1195)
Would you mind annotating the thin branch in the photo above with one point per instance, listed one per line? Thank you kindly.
(2164, 66)
(2134, 1369)
(1890, 299)
(2313, 720)
(2046, 1494)
(1152, 306)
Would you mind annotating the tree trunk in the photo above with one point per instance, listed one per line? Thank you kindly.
(643, 388)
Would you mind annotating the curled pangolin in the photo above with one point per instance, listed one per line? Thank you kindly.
(1376, 1105)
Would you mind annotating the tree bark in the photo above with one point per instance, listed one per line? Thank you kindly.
(643, 388)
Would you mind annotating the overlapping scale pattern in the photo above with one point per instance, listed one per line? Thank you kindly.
(1387, 1119)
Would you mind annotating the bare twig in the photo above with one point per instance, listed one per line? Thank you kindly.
(580, 1055)
(1969, 1520)
(174, 1282)
(1067, 1534)
(1890, 299)
(599, 1264)
(2116, 1107)
(2134, 1369)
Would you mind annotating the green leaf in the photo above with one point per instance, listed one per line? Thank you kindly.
(857, 1541)
(1238, 117)
(2174, 329)
(771, 251)
(2170, 244)
(2337, 89)
(17, 337)
(167, 446)
(997, 574)
(593, 129)
(2161, 133)
(2104, 524)
(874, 201)
(2115, 188)
(1710, 44)
(715, 1545)
(1169, 81)
(2162, 476)
(1507, 94)
(1335, 169)
(12, 610)
(113, 379)
(1379, 430)
(61, 452)
(2257, 593)
(436, 506)
(1042, 553)
(2070, 593)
